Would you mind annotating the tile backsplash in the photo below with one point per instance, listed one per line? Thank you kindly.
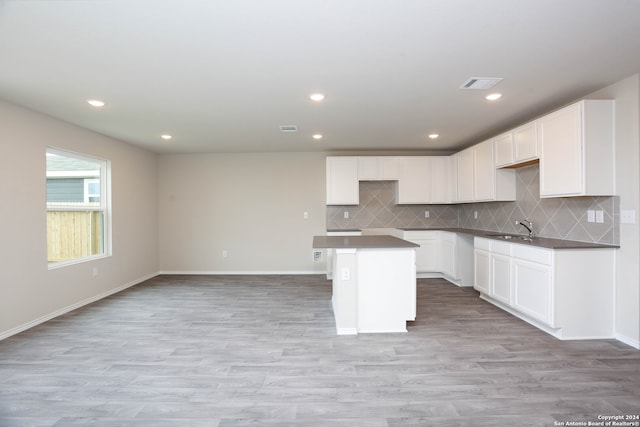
(562, 218)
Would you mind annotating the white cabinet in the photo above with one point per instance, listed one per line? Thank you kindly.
(567, 293)
(428, 258)
(525, 143)
(482, 266)
(439, 179)
(517, 146)
(501, 275)
(577, 150)
(484, 171)
(342, 181)
(414, 186)
(478, 179)
(493, 269)
(457, 257)
(464, 169)
(532, 290)
(378, 168)
(423, 180)
(504, 149)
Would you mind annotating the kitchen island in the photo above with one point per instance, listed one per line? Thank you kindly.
(374, 282)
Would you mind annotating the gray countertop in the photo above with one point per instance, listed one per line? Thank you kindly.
(544, 242)
(361, 242)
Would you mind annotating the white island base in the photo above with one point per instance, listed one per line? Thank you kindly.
(374, 290)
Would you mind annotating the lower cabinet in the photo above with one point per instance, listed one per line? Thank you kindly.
(443, 254)
(567, 293)
(532, 290)
(428, 258)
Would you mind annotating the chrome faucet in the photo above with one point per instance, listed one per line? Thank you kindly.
(528, 226)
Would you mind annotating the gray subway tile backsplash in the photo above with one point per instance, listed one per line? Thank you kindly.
(562, 218)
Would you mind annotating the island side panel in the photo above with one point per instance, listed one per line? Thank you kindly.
(386, 289)
(344, 297)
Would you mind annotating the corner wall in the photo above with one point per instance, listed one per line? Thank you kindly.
(30, 293)
(627, 96)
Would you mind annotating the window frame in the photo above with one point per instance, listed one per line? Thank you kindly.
(103, 173)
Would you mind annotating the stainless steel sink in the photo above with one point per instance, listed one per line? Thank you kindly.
(511, 237)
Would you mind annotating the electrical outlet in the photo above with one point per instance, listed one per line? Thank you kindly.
(305, 215)
(475, 215)
(591, 215)
(600, 217)
(628, 217)
(95, 272)
(345, 273)
(225, 253)
(426, 214)
(346, 215)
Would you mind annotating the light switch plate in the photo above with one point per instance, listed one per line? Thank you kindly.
(591, 215)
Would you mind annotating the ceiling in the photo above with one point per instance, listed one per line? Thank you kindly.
(223, 75)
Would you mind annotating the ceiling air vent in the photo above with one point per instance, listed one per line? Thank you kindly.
(288, 128)
(480, 83)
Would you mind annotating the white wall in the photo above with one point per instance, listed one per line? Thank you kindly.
(250, 205)
(29, 291)
(627, 96)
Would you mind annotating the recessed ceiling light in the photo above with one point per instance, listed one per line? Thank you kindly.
(166, 136)
(493, 96)
(95, 103)
(317, 136)
(433, 135)
(317, 96)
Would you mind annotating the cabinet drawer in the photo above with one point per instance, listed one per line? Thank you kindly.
(533, 254)
(480, 243)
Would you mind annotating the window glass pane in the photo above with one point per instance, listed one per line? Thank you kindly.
(76, 212)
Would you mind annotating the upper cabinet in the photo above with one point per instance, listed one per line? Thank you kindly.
(342, 181)
(517, 146)
(423, 180)
(414, 185)
(478, 179)
(577, 150)
(378, 168)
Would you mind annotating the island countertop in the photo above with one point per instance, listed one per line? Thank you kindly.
(361, 242)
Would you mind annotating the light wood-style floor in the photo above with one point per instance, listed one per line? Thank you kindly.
(262, 350)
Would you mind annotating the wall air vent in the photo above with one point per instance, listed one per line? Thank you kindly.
(480, 83)
(288, 128)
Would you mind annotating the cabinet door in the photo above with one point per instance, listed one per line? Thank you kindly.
(428, 255)
(439, 179)
(532, 288)
(367, 168)
(449, 256)
(482, 271)
(374, 168)
(414, 180)
(484, 171)
(342, 181)
(504, 149)
(501, 278)
(388, 168)
(525, 142)
(465, 175)
(561, 152)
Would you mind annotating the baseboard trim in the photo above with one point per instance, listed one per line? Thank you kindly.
(240, 272)
(53, 315)
(628, 341)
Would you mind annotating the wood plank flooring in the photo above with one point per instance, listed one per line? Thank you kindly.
(262, 350)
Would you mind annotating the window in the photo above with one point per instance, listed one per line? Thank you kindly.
(77, 207)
